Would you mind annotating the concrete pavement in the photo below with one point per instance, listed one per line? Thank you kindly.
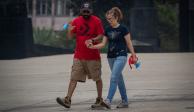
(165, 82)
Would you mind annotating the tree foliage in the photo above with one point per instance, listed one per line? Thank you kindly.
(168, 24)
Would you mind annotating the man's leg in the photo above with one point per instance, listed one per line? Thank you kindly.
(99, 100)
(66, 102)
(99, 88)
(72, 86)
(94, 69)
(77, 74)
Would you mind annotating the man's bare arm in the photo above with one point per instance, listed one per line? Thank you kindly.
(70, 34)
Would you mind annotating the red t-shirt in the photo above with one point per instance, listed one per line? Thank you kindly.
(84, 30)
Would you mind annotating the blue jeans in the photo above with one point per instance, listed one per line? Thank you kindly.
(116, 65)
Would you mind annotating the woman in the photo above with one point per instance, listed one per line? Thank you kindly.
(119, 41)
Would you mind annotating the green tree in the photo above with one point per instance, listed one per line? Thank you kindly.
(168, 25)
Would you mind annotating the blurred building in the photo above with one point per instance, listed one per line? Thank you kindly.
(15, 30)
(49, 13)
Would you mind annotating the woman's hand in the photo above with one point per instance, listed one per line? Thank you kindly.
(134, 58)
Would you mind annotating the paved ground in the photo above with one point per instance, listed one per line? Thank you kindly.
(165, 83)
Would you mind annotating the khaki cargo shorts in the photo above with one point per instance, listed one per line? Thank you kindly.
(86, 68)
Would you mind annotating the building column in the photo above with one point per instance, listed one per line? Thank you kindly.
(53, 14)
(34, 13)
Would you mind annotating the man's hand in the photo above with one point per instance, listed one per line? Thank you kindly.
(70, 35)
(70, 27)
(89, 43)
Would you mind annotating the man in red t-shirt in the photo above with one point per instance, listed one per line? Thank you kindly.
(86, 28)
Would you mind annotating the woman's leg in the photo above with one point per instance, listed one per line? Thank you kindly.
(122, 89)
(117, 66)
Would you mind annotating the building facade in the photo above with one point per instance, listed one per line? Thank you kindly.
(49, 14)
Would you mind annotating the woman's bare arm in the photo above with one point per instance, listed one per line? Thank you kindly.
(100, 45)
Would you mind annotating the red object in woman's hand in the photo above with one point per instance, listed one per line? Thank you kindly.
(132, 60)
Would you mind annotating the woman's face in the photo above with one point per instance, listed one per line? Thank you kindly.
(111, 20)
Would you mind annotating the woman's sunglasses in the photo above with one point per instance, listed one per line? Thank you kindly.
(110, 19)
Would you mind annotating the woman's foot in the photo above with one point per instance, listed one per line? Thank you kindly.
(123, 104)
(107, 103)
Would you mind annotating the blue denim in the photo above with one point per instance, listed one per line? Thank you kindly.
(116, 65)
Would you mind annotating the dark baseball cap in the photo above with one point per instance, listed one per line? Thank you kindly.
(86, 6)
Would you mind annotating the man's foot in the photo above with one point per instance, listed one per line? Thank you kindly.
(66, 102)
(123, 104)
(100, 103)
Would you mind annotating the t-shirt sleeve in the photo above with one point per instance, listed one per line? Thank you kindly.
(100, 29)
(125, 30)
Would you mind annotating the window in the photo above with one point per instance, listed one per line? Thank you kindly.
(61, 8)
(43, 7)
